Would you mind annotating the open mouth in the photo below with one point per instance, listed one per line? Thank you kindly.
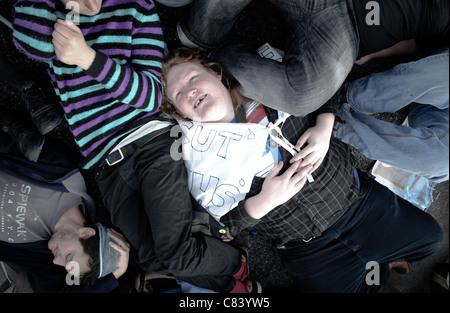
(199, 101)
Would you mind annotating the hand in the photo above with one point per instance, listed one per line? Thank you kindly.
(123, 248)
(318, 139)
(400, 48)
(70, 46)
(276, 190)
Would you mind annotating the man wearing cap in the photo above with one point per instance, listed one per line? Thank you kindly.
(46, 220)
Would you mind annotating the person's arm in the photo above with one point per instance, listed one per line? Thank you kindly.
(400, 48)
(277, 189)
(136, 83)
(160, 228)
(170, 215)
(274, 191)
(33, 27)
(317, 139)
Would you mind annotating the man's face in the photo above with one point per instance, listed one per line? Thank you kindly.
(66, 246)
(87, 7)
(198, 93)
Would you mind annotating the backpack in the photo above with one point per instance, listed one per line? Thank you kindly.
(13, 280)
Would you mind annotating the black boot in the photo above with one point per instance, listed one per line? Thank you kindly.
(44, 114)
(28, 141)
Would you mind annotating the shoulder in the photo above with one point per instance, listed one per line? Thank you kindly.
(130, 5)
(141, 11)
(39, 8)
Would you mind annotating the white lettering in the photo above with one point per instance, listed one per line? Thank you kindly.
(373, 276)
(373, 17)
(191, 303)
(73, 275)
(74, 15)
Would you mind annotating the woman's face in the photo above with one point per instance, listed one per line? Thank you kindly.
(199, 94)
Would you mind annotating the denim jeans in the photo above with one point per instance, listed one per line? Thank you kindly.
(423, 147)
(380, 227)
(320, 51)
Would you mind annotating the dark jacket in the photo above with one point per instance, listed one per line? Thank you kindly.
(148, 198)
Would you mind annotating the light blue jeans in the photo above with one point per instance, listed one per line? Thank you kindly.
(423, 147)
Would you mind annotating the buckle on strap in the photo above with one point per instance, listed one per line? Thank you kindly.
(115, 157)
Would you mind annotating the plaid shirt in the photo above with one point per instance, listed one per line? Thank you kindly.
(318, 205)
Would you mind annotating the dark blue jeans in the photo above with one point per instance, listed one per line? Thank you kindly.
(380, 227)
(320, 51)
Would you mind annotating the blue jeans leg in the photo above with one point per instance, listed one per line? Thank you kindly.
(425, 81)
(381, 227)
(423, 147)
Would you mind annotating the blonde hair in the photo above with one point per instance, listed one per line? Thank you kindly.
(183, 55)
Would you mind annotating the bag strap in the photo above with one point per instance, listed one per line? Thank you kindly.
(7, 286)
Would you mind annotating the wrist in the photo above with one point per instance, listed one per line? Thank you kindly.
(118, 272)
(325, 121)
(87, 59)
(257, 207)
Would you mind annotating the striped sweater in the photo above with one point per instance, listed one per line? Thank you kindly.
(121, 90)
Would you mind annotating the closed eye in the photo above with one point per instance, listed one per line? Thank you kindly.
(69, 257)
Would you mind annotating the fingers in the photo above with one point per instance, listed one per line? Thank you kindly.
(301, 173)
(57, 46)
(302, 140)
(292, 169)
(310, 159)
(122, 245)
(67, 26)
(301, 154)
(58, 39)
(316, 165)
(298, 180)
(60, 36)
(300, 184)
(63, 31)
(297, 172)
(302, 176)
(275, 170)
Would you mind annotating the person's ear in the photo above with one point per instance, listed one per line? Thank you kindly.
(86, 232)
